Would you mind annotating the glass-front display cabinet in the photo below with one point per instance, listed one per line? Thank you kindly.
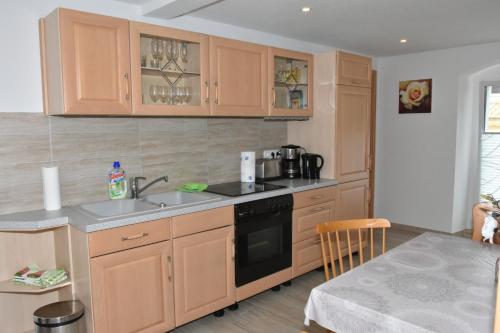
(290, 82)
(169, 71)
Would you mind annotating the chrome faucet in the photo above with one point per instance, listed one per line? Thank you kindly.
(135, 190)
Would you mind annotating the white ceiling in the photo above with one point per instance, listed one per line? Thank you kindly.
(372, 27)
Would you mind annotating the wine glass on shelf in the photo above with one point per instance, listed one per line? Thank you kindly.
(188, 94)
(181, 94)
(160, 52)
(175, 50)
(184, 52)
(153, 93)
(168, 49)
(169, 95)
(163, 94)
(155, 45)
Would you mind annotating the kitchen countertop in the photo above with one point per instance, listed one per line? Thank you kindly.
(41, 219)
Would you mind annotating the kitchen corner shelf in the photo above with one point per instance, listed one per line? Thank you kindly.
(8, 286)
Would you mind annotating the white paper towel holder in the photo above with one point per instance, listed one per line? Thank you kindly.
(51, 188)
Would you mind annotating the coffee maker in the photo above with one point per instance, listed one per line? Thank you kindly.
(310, 167)
(290, 160)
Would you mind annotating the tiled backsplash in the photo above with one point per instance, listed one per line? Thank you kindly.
(205, 150)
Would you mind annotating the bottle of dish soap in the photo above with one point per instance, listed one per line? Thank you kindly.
(117, 183)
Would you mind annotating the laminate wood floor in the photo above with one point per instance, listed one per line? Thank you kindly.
(277, 312)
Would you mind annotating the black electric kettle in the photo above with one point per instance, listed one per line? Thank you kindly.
(310, 167)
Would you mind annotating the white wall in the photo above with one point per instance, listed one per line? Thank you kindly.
(424, 161)
(20, 80)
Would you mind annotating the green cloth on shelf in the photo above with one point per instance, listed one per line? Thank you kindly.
(34, 276)
(192, 187)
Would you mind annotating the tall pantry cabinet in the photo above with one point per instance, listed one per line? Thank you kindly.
(340, 129)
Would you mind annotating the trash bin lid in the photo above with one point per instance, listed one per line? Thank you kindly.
(59, 312)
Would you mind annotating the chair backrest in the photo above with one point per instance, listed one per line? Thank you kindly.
(331, 232)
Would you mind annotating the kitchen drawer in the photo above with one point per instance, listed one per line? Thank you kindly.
(305, 220)
(122, 238)
(183, 225)
(306, 256)
(313, 197)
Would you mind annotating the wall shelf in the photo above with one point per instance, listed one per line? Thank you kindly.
(8, 286)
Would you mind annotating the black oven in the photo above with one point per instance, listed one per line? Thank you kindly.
(263, 237)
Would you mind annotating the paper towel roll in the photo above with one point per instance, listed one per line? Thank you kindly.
(51, 188)
(248, 166)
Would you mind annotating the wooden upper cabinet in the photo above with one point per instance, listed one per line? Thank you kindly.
(352, 133)
(352, 200)
(132, 290)
(86, 64)
(290, 80)
(354, 70)
(170, 71)
(238, 78)
(204, 273)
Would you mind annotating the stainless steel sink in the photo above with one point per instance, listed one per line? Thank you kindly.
(111, 209)
(116, 208)
(177, 199)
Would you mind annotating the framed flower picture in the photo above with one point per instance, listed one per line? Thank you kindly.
(415, 96)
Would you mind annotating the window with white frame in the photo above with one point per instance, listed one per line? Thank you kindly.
(490, 142)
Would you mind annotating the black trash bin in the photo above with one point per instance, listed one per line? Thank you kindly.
(60, 317)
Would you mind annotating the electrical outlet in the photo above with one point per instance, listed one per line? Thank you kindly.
(270, 153)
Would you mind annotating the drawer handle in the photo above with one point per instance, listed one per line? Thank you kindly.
(317, 241)
(356, 82)
(169, 265)
(319, 209)
(126, 238)
(317, 197)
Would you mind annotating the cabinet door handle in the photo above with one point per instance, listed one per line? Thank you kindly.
(169, 265)
(132, 237)
(127, 87)
(216, 92)
(356, 82)
(274, 96)
(317, 197)
(207, 92)
(318, 209)
(234, 251)
(317, 241)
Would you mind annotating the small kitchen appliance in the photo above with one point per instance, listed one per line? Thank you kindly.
(310, 167)
(267, 169)
(290, 160)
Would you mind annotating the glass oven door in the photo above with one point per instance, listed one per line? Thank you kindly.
(263, 245)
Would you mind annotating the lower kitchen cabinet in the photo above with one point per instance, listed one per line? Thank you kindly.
(132, 290)
(306, 256)
(204, 273)
(306, 219)
(306, 248)
(352, 200)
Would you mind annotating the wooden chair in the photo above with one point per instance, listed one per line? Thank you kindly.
(330, 233)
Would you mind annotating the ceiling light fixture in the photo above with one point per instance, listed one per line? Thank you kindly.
(403, 41)
(306, 9)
